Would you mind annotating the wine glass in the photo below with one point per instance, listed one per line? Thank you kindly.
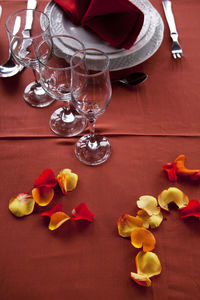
(23, 42)
(91, 93)
(54, 56)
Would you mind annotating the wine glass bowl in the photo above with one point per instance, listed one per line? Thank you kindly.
(55, 78)
(23, 43)
(91, 93)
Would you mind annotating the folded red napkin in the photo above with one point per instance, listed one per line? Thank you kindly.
(118, 22)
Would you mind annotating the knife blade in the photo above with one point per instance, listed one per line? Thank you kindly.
(0, 11)
(31, 5)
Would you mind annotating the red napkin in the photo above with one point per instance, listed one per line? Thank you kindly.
(118, 22)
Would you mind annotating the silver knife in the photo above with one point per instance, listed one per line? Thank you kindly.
(31, 4)
(167, 6)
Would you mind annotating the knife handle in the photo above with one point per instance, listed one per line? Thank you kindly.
(32, 4)
(167, 6)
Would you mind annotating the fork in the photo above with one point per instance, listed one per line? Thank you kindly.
(176, 49)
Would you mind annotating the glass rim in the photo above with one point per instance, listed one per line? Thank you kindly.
(106, 67)
(23, 10)
(50, 38)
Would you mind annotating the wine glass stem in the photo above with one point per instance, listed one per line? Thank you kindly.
(35, 73)
(92, 130)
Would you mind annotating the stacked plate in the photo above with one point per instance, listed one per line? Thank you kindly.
(147, 43)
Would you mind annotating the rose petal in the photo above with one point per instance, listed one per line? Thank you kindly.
(153, 221)
(47, 179)
(141, 279)
(67, 180)
(127, 223)
(182, 170)
(148, 264)
(142, 237)
(81, 212)
(192, 209)
(174, 195)
(57, 219)
(43, 195)
(53, 210)
(170, 168)
(149, 204)
(21, 205)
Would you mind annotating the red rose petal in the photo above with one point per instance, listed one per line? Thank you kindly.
(47, 179)
(170, 168)
(53, 210)
(81, 212)
(192, 209)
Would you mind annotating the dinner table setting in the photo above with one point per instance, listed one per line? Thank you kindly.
(100, 141)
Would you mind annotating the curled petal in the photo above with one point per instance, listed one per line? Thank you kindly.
(149, 204)
(148, 264)
(174, 195)
(43, 195)
(153, 221)
(182, 170)
(170, 168)
(81, 212)
(142, 237)
(21, 205)
(57, 219)
(53, 210)
(47, 178)
(141, 279)
(67, 180)
(127, 223)
(192, 209)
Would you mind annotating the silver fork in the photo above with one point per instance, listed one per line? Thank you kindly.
(176, 49)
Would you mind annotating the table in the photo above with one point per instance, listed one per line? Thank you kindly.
(148, 126)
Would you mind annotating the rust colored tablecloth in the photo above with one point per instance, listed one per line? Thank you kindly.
(148, 126)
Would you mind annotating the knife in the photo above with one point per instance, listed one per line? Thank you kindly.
(31, 4)
(0, 11)
(167, 6)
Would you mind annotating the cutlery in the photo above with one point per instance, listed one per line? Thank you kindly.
(132, 79)
(31, 5)
(0, 11)
(176, 49)
(11, 68)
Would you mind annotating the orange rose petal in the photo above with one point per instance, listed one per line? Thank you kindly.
(67, 180)
(149, 204)
(43, 195)
(57, 219)
(142, 237)
(127, 223)
(21, 205)
(172, 195)
(148, 264)
(181, 169)
(141, 279)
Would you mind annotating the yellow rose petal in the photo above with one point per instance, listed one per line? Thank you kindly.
(141, 279)
(148, 264)
(149, 204)
(67, 180)
(174, 195)
(21, 205)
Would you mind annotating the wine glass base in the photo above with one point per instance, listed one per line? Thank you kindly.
(36, 96)
(93, 153)
(67, 125)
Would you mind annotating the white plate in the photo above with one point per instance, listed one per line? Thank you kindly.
(60, 24)
(145, 46)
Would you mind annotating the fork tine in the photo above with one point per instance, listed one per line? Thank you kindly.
(179, 55)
